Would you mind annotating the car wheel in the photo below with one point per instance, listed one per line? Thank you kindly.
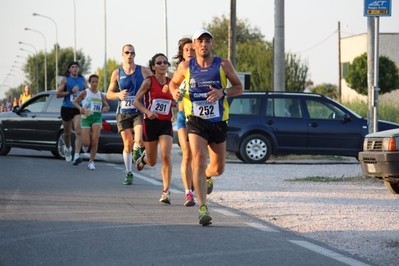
(392, 187)
(4, 150)
(59, 152)
(255, 149)
(239, 157)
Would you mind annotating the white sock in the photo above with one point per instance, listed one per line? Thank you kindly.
(127, 158)
(76, 155)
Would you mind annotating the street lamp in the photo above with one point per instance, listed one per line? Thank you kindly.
(56, 46)
(36, 65)
(166, 27)
(74, 19)
(8, 78)
(45, 58)
(10, 75)
(36, 62)
(105, 48)
(20, 76)
(19, 68)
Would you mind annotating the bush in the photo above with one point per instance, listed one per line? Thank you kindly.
(387, 110)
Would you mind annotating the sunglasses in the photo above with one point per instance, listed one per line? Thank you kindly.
(130, 52)
(162, 62)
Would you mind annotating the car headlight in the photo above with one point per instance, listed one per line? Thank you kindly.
(390, 144)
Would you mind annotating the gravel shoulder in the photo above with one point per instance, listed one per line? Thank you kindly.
(359, 216)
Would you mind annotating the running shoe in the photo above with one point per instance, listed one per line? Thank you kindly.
(128, 179)
(204, 217)
(209, 184)
(140, 162)
(165, 198)
(136, 154)
(77, 160)
(189, 200)
(91, 166)
(68, 154)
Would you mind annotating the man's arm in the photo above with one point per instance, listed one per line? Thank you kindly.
(236, 85)
(61, 92)
(145, 72)
(111, 94)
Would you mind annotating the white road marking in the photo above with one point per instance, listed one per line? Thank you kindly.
(262, 227)
(225, 212)
(328, 253)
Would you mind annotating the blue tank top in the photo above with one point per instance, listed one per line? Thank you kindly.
(198, 80)
(132, 84)
(72, 82)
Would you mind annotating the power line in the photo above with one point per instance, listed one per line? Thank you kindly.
(316, 44)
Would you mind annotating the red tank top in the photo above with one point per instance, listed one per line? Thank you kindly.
(157, 101)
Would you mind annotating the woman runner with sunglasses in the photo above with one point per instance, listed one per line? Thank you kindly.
(157, 123)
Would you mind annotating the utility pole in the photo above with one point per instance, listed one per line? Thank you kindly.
(339, 62)
(232, 33)
(105, 48)
(166, 27)
(279, 47)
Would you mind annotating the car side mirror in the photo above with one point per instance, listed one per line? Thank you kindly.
(347, 118)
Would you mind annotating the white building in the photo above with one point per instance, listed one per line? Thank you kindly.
(354, 46)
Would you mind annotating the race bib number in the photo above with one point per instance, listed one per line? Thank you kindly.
(161, 106)
(205, 109)
(128, 103)
(74, 96)
(96, 106)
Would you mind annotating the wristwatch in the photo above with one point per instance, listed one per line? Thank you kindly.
(224, 92)
(70, 92)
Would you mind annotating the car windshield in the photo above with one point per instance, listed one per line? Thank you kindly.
(36, 105)
(326, 110)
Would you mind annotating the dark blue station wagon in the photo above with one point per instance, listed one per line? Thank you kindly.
(281, 123)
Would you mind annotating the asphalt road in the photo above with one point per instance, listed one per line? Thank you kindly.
(54, 213)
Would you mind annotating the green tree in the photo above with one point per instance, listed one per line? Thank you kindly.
(356, 77)
(255, 55)
(326, 89)
(295, 73)
(65, 56)
(111, 66)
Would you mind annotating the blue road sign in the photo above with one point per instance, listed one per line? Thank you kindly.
(373, 8)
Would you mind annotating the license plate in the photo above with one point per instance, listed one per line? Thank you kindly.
(371, 168)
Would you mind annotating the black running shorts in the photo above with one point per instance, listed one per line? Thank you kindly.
(211, 131)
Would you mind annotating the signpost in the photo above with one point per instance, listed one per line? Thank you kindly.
(374, 8)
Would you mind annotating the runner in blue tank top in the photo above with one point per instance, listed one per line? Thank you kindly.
(124, 84)
(206, 109)
(70, 86)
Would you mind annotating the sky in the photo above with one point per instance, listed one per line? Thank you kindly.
(310, 29)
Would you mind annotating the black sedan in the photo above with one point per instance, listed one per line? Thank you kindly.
(36, 124)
